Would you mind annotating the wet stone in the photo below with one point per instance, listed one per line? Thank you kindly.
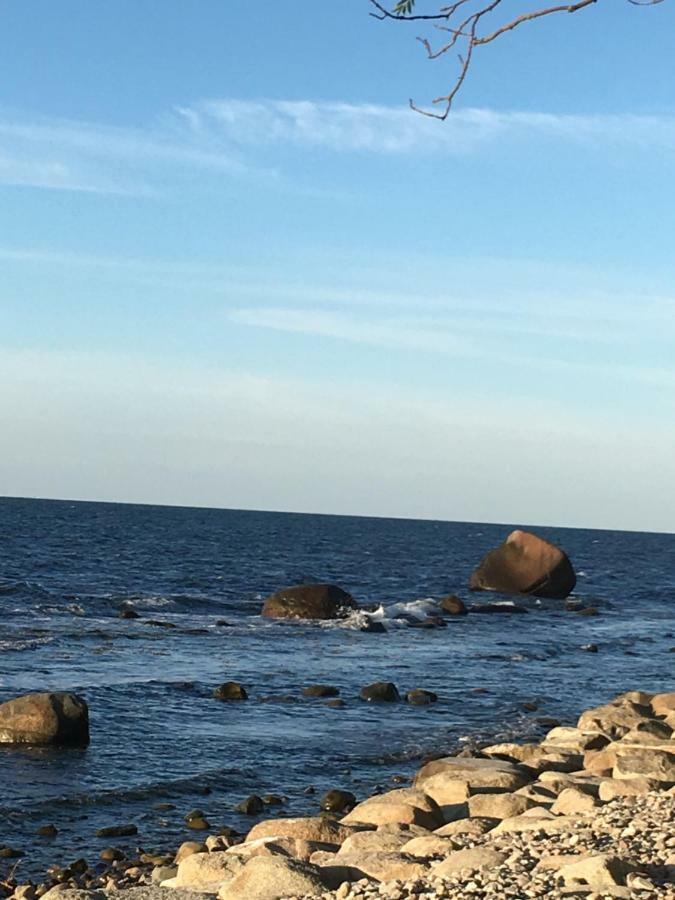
(251, 806)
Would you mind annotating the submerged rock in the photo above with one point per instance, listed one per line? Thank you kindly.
(453, 606)
(371, 626)
(117, 831)
(419, 697)
(380, 692)
(320, 690)
(59, 719)
(230, 690)
(337, 801)
(251, 806)
(525, 564)
(309, 601)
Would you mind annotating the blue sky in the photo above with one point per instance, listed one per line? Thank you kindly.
(236, 270)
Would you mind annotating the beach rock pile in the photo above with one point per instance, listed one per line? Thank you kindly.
(589, 812)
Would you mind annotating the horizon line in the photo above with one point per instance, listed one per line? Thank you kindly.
(296, 512)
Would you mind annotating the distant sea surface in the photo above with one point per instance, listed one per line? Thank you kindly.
(158, 736)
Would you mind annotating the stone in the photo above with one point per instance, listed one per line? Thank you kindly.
(292, 847)
(337, 801)
(656, 764)
(574, 739)
(480, 775)
(626, 787)
(251, 806)
(117, 831)
(163, 873)
(111, 854)
(471, 858)
(663, 704)
(309, 601)
(128, 612)
(230, 690)
(499, 806)
(273, 877)
(187, 848)
(573, 801)
(198, 823)
(429, 845)
(59, 719)
(420, 697)
(404, 806)
(48, 831)
(538, 822)
(379, 866)
(380, 692)
(207, 870)
(453, 606)
(598, 872)
(67, 892)
(320, 690)
(383, 840)
(315, 828)
(217, 842)
(613, 719)
(525, 564)
(469, 827)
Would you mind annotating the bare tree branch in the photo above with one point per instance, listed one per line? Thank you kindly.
(461, 20)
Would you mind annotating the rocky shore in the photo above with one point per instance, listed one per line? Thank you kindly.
(588, 812)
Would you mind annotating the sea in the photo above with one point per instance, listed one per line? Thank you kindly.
(161, 745)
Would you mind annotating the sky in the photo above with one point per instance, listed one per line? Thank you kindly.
(236, 270)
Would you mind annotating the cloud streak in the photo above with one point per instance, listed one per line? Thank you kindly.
(372, 128)
(235, 137)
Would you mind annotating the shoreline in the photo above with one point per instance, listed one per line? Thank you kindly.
(539, 819)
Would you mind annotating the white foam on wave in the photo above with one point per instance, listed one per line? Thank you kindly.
(401, 611)
(151, 602)
(8, 645)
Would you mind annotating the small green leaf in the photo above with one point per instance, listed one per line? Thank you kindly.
(404, 7)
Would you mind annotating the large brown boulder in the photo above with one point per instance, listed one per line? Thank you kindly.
(59, 719)
(525, 564)
(309, 601)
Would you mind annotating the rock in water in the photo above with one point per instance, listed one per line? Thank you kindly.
(525, 564)
(380, 692)
(231, 690)
(58, 719)
(309, 601)
(453, 606)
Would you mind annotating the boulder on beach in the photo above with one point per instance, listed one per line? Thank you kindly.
(270, 877)
(525, 564)
(58, 719)
(309, 601)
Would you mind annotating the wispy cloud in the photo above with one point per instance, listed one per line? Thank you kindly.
(544, 343)
(371, 128)
(95, 158)
(236, 136)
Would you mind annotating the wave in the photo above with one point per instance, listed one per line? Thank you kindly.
(205, 781)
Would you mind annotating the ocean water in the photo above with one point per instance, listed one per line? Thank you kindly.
(158, 736)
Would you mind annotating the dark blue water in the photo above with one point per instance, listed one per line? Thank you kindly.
(158, 736)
